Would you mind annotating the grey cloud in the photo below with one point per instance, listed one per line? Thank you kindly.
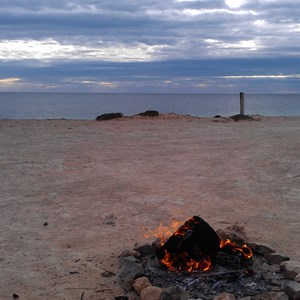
(199, 38)
(123, 16)
(286, 11)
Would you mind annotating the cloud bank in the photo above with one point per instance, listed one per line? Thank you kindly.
(159, 46)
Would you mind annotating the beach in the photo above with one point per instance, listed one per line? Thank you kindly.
(76, 193)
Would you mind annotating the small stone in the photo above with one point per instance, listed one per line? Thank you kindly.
(136, 254)
(110, 220)
(292, 289)
(297, 278)
(108, 274)
(144, 249)
(264, 249)
(224, 296)
(124, 253)
(290, 268)
(15, 296)
(276, 258)
(151, 293)
(282, 296)
(174, 293)
(130, 270)
(141, 283)
(46, 224)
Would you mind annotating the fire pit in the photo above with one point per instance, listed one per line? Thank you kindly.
(195, 258)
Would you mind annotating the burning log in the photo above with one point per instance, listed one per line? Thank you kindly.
(195, 246)
(192, 247)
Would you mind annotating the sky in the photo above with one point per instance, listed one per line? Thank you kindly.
(142, 46)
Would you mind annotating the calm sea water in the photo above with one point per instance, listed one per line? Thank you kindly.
(89, 106)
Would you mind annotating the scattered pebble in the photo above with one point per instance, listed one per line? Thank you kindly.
(110, 220)
(108, 274)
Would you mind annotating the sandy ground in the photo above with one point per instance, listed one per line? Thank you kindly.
(100, 186)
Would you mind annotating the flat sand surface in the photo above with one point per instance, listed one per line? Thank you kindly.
(100, 186)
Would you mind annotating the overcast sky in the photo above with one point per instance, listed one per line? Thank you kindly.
(172, 46)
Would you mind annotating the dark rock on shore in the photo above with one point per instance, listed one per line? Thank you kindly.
(240, 117)
(109, 116)
(149, 113)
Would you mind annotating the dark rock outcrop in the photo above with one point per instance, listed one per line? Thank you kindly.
(109, 116)
(240, 117)
(149, 113)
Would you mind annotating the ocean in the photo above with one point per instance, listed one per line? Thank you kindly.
(87, 106)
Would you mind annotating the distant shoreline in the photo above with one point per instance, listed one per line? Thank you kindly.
(89, 106)
(168, 116)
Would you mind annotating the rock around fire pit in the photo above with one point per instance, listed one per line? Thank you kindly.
(167, 270)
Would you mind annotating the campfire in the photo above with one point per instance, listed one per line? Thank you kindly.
(202, 262)
(194, 247)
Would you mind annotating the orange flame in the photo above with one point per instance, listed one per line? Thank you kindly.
(233, 247)
(182, 261)
(163, 232)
